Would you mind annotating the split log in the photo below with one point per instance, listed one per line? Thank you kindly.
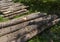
(26, 35)
(21, 19)
(10, 29)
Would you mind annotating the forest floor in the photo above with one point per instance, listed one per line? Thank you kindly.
(49, 35)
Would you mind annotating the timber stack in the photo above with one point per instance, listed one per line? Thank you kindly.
(24, 28)
(10, 9)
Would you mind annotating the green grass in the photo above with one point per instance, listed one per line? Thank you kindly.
(3, 19)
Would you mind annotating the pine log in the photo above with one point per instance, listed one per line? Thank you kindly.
(21, 19)
(6, 5)
(35, 32)
(26, 35)
(12, 16)
(13, 7)
(16, 12)
(13, 11)
(5, 1)
(10, 29)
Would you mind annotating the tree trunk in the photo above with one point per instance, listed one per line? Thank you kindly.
(24, 33)
(10, 29)
(33, 33)
(21, 19)
(12, 10)
(16, 12)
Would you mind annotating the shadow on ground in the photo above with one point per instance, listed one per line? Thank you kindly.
(42, 6)
(49, 35)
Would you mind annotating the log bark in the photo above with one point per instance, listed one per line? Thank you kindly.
(33, 33)
(13, 28)
(26, 35)
(5, 1)
(12, 10)
(5, 6)
(16, 12)
(21, 19)
(12, 16)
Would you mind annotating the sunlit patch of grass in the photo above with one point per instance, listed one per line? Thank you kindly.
(3, 19)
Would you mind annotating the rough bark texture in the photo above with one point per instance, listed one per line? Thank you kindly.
(20, 13)
(23, 28)
(34, 32)
(10, 29)
(21, 19)
(5, 6)
(17, 12)
(28, 32)
(11, 9)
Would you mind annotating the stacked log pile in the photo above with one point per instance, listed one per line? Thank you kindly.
(11, 9)
(23, 28)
